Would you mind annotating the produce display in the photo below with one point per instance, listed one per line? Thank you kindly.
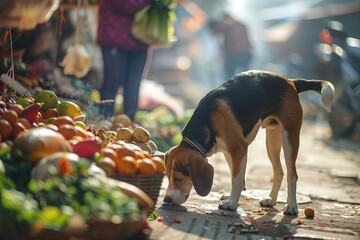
(128, 145)
(164, 125)
(62, 167)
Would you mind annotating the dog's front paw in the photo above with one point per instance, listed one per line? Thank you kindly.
(267, 202)
(227, 205)
(290, 209)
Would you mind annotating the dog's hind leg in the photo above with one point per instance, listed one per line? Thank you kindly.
(290, 137)
(273, 145)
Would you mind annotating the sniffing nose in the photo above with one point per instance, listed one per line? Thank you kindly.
(167, 199)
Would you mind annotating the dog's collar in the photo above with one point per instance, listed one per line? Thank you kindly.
(195, 145)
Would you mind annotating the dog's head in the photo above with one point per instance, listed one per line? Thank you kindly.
(186, 168)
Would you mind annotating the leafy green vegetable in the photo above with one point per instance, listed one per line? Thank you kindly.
(153, 24)
(86, 194)
(18, 172)
(52, 202)
(153, 215)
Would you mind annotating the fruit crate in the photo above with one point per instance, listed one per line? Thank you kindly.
(149, 183)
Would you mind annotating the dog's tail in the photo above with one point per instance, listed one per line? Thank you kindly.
(325, 88)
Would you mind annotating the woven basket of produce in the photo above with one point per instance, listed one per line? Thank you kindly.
(138, 162)
(11, 230)
(93, 230)
(66, 197)
(149, 183)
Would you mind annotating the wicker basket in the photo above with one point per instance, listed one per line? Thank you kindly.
(96, 230)
(150, 184)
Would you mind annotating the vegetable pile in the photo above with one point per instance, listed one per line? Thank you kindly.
(55, 167)
(153, 24)
(51, 202)
(165, 126)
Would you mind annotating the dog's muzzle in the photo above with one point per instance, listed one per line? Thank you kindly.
(167, 200)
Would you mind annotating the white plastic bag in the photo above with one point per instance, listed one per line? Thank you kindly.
(76, 61)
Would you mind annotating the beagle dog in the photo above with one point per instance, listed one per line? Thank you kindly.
(227, 120)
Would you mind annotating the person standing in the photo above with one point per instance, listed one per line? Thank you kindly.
(237, 48)
(126, 59)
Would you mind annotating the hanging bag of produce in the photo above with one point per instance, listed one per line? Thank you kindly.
(77, 60)
(154, 23)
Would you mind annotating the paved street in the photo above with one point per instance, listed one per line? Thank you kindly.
(328, 182)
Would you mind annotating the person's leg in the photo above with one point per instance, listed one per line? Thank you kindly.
(137, 68)
(244, 59)
(230, 65)
(114, 75)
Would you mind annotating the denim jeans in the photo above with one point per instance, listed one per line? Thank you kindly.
(124, 69)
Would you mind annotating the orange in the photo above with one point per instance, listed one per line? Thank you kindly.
(25, 122)
(127, 165)
(48, 99)
(52, 127)
(114, 146)
(120, 142)
(160, 165)
(50, 113)
(125, 151)
(135, 147)
(108, 165)
(139, 154)
(16, 107)
(68, 108)
(11, 116)
(67, 130)
(63, 120)
(90, 135)
(80, 132)
(110, 153)
(17, 128)
(5, 129)
(147, 154)
(146, 166)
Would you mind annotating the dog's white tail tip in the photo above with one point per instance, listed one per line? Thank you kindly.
(327, 95)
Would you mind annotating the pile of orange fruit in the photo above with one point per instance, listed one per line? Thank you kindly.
(121, 157)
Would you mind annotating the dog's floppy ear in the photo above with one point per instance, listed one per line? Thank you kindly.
(202, 174)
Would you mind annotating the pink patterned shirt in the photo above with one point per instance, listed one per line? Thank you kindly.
(115, 19)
